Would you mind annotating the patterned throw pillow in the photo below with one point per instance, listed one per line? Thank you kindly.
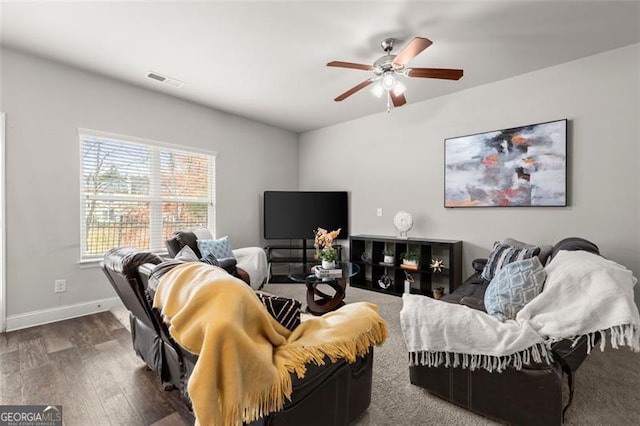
(502, 255)
(517, 284)
(545, 249)
(220, 248)
(286, 311)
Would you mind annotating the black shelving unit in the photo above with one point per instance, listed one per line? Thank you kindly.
(367, 252)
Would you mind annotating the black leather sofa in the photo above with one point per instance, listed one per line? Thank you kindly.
(530, 396)
(331, 394)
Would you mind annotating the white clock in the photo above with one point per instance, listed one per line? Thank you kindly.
(403, 222)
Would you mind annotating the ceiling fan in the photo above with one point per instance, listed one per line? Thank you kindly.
(388, 67)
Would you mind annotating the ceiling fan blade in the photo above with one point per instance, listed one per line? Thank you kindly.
(443, 73)
(398, 100)
(352, 65)
(353, 90)
(411, 50)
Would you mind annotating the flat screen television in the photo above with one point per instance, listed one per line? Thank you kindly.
(296, 214)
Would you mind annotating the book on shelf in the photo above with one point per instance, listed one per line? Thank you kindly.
(328, 273)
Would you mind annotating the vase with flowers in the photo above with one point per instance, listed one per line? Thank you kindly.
(323, 243)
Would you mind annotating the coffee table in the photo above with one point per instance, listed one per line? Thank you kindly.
(319, 302)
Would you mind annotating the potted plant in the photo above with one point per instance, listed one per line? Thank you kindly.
(411, 258)
(328, 257)
(388, 256)
(438, 292)
(324, 247)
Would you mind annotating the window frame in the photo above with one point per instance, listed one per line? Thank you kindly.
(154, 198)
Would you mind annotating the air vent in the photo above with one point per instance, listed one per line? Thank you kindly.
(173, 82)
(164, 79)
(156, 76)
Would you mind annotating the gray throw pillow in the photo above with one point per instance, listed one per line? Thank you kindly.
(502, 255)
(545, 250)
(186, 254)
(517, 284)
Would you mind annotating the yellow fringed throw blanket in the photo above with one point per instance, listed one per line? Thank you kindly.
(245, 355)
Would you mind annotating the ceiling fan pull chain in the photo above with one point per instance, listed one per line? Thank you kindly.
(388, 102)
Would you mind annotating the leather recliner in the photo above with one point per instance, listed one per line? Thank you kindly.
(330, 394)
(530, 396)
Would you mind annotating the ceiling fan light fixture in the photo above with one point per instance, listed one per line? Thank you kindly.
(399, 88)
(377, 90)
(388, 81)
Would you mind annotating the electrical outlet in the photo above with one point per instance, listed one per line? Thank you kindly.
(379, 211)
(60, 286)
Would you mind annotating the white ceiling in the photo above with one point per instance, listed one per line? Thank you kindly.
(266, 60)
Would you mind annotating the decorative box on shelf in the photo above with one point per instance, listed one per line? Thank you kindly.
(410, 266)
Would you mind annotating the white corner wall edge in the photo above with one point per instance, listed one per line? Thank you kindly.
(3, 226)
(46, 316)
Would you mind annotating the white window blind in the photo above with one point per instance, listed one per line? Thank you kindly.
(138, 194)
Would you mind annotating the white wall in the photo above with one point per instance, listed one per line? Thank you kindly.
(45, 103)
(395, 161)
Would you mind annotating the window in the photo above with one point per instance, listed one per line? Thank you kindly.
(138, 193)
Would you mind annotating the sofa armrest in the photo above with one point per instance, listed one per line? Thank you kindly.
(572, 355)
(473, 302)
(226, 263)
(478, 264)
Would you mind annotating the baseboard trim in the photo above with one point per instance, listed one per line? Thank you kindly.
(46, 316)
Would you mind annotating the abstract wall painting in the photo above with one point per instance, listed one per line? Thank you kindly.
(519, 167)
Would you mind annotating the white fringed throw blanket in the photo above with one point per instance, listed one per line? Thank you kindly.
(584, 294)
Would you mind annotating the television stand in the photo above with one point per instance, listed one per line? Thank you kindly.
(292, 254)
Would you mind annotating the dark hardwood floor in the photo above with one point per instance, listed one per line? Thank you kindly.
(88, 366)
